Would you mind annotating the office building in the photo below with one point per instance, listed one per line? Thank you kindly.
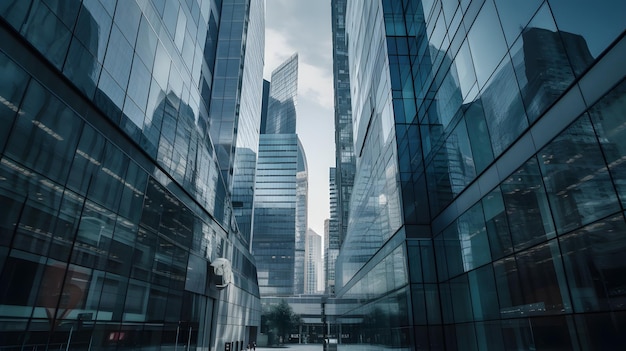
(344, 143)
(314, 274)
(487, 208)
(281, 189)
(117, 225)
(331, 235)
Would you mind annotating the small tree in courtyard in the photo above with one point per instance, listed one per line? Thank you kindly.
(281, 319)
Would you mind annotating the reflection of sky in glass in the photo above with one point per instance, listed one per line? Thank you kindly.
(486, 42)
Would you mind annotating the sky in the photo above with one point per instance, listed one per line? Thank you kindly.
(303, 26)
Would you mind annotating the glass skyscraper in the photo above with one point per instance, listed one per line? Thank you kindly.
(115, 218)
(344, 144)
(487, 208)
(280, 220)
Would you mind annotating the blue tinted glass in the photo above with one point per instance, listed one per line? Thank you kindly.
(93, 28)
(588, 26)
(607, 117)
(50, 36)
(11, 92)
(515, 15)
(503, 107)
(576, 178)
(541, 64)
(119, 58)
(82, 68)
(486, 42)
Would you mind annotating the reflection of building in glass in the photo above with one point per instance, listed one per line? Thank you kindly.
(114, 206)
(281, 190)
(487, 203)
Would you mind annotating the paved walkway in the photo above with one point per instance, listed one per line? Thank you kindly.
(293, 347)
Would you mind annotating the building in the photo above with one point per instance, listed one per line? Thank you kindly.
(344, 143)
(487, 207)
(331, 235)
(313, 272)
(117, 225)
(236, 103)
(281, 190)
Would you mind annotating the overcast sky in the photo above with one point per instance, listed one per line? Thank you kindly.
(303, 26)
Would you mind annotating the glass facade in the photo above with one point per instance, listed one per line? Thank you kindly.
(113, 204)
(331, 235)
(274, 240)
(313, 273)
(281, 190)
(487, 211)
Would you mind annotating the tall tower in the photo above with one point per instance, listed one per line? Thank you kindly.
(344, 143)
(281, 188)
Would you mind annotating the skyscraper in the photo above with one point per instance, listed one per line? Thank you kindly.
(344, 144)
(486, 212)
(281, 188)
(313, 272)
(117, 229)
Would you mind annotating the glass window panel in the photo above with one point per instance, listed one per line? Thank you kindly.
(12, 204)
(66, 225)
(553, 333)
(75, 292)
(454, 254)
(473, 238)
(111, 306)
(588, 25)
(465, 68)
(109, 96)
(133, 192)
(526, 203)
(146, 43)
(107, 184)
(478, 135)
(36, 224)
(135, 308)
(139, 84)
(608, 116)
(497, 225)
(543, 282)
(503, 107)
(541, 64)
(67, 11)
(127, 16)
(94, 236)
(82, 68)
(44, 136)
(596, 270)
(515, 15)
(47, 33)
(93, 28)
(121, 247)
(12, 89)
(22, 272)
(15, 12)
(119, 57)
(576, 178)
(484, 294)
(461, 300)
(87, 159)
(143, 255)
(509, 288)
(486, 42)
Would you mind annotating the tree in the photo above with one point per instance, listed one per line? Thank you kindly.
(281, 319)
